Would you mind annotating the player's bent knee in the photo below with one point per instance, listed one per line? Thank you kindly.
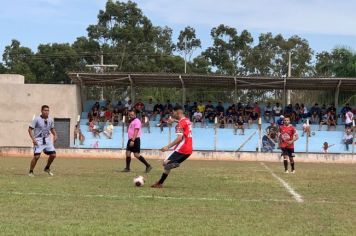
(170, 166)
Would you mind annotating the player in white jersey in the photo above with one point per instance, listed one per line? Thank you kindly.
(39, 131)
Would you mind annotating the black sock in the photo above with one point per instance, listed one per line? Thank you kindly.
(285, 164)
(142, 159)
(128, 161)
(47, 167)
(292, 165)
(163, 178)
(31, 171)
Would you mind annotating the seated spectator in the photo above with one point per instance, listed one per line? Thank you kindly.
(348, 139)
(187, 110)
(168, 106)
(230, 117)
(315, 114)
(108, 115)
(96, 105)
(272, 129)
(116, 116)
(247, 111)
(108, 105)
(257, 109)
(94, 114)
(163, 122)
(323, 110)
(331, 120)
(209, 109)
(128, 105)
(95, 129)
(303, 111)
(239, 124)
(201, 107)
(149, 109)
(158, 110)
(277, 110)
(240, 109)
(323, 121)
(91, 125)
(120, 107)
(349, 117)
(332, 110)
(288, 111)
(221, 120)
(306, 128)
(220, 108)
(253, 118)
(109, 129)
(326, 146)
(145, 121)
(197, 117)
(268, 113)
(211, 118)
(102, 114)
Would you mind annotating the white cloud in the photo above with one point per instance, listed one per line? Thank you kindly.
(295, 16)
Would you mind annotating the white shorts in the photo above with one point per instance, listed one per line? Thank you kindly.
(47, 148)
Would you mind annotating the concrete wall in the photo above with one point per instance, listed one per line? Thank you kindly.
(19, 102)
(12, 79)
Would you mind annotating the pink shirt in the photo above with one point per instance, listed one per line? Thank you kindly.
(135, 124)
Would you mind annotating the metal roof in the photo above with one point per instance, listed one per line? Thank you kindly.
(218, 81)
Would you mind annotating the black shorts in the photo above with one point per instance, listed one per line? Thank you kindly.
(136, 148)
(174, 160)
(288, 152)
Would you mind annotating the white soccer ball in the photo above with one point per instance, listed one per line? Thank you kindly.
(139, 181)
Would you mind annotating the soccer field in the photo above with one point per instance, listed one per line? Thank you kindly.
(91, 197)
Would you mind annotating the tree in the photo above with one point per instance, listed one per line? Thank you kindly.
(188, 42)
(18, 59)
(227, 50)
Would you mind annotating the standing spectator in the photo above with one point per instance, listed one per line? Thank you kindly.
(120, 107)
(108, 115)
(149, 109)
(349, 117)
(326, 146)
(280, 121)
(102, 114)
(239, 125)
(268, 112)
(209, 109)
(248, 110)
(94, 114)
(96, 105)
(197, 117)
(187, 108)
(268, 142)
(344, 110)
(139, 108)
(348, 138)
(303, 111)
(108, 105)
(146, 122)
(116, 116)
(168, 106)
(221, 120)
(230, 118)
(277, 110)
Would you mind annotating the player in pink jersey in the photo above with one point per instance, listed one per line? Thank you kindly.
(182, 145)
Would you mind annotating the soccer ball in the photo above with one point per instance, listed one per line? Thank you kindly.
(139, 181)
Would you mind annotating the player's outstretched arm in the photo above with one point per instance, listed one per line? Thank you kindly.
(174, 143)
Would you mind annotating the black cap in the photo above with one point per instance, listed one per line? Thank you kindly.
(177, 107)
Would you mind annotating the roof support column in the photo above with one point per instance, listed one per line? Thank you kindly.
(183, 90)
(337, 91)
(132, 90)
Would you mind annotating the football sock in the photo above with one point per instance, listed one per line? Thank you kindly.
(292, 165)
(128, 161)
(163, 178)
(142, 159)
(285, 164)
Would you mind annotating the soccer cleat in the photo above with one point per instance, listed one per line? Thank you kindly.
(286, 172)
(126, 170)
(31, 174)
(148, 169)
(293, 172)
(157, 185)
(48, 171)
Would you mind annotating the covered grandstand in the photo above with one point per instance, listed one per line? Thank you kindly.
(214, 139)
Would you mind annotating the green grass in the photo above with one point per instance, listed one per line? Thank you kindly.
(91, 197)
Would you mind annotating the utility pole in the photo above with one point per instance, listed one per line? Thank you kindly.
(100, 68)
(289, 75)
(185, 54)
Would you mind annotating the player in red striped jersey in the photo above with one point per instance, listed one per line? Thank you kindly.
(182, 145)
(287, 136)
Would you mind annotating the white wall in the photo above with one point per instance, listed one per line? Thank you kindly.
(19, 102)
(12, 79)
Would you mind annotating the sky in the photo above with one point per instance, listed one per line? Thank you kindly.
(326, 24)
